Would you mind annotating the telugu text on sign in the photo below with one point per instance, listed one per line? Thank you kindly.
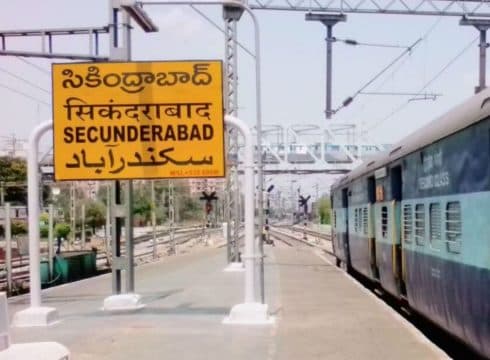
(138, 120)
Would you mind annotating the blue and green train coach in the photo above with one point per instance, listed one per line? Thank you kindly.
(416, 220)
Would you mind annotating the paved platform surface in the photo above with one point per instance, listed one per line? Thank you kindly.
(321, 314)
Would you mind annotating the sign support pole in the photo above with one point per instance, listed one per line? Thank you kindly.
(50, 241)
(35, 315)
(82, 234)
(73, 222)
(251, 311)
(153, 219)
(8, 247)
(108, 223)
(171, 216)
(121, 211)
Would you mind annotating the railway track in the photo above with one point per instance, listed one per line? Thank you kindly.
(166, 232)
(290, 239)
(317, 234)
(304, 230)
(144, 249)
(20, 264)
(181, 238)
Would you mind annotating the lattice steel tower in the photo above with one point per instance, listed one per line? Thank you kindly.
(231, 16)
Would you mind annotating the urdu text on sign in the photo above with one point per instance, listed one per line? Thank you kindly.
(138, 120)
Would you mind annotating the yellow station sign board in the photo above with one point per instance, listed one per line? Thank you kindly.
(138, 120)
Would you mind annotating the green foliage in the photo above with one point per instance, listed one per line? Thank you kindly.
(95, 214)
(44, 218)
(44, 231)
(325, 208)
(142, 205)
(18, 227)
(13, 169)
(190, 208)
(187, 207)
(63, 202)
(62, 230)
(103, 193)
(161, 214)
(13, 172)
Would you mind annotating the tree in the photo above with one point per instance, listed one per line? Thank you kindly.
(142, 204)
(44, 231)
(102, 193)
(62, 230)
(190, 208)
(13, 172)
(95, 214)
(44, 219)
(18, 227)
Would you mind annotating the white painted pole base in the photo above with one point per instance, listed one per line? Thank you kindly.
(123, 302)
(38, 351)
(35, 316)
(234, 267)
(249, 314)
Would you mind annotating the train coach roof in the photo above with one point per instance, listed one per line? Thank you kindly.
(471, 111)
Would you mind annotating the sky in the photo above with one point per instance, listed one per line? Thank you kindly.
(292, 63)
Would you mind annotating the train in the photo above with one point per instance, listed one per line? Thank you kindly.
(415, 221)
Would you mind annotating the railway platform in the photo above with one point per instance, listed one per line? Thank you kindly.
(320, 314)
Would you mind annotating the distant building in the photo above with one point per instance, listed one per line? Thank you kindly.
(89, 188)
(11, 146)
(196, 186)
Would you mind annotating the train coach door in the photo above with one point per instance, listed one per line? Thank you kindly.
(397, 255)
(345, 239)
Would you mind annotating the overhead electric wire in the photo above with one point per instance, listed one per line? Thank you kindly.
(444, 68)
(347, 101)
(34, 65)
(24, 80)
(26, 95)
(220, 29)
(409, 49)
(398, 93)
(381, 85)
(396, 70)
(355, 43)
(432, 28)
(424, 37)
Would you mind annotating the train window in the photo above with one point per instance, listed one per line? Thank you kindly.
(355, 220)
(435, 224)
(419, 224)
(396, 183)
(453, 226)
(365, 221)
(371, 189)
(384, 221)
(407, 223)
(358, 220)
(334, 219)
